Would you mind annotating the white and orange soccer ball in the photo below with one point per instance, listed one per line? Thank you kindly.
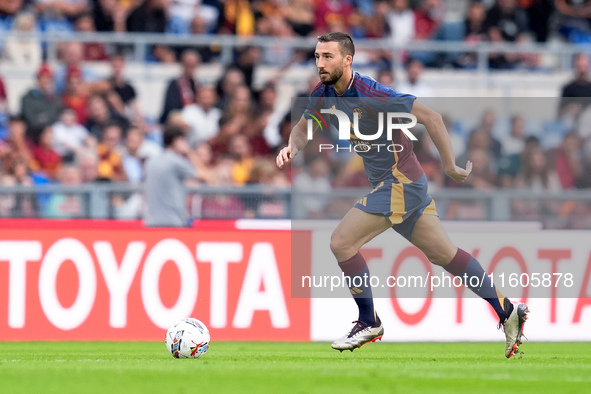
(189, 338)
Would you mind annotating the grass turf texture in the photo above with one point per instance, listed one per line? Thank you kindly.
(264, 367)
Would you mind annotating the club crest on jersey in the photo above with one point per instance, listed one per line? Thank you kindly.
(359, 113)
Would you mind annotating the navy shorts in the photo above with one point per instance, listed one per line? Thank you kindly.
(401, 203)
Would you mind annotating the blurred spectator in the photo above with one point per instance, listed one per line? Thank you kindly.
(181, 91)
(18, 204)
(162, 54)
(73, 56)
(202, 117)
(229, 126)
(487, 125)
(10, 7)
(227, 85)
(242, 112)
(373, 16)
(57, 15)
(515, 143)
(110, 15)
(513, 147)
(99, 116)
(474, 33)
(242, 152)
(76, 94)
(22, 50)
(66, 205)
(331, 14)
(26, 204)
(241, 104)
(149, 16)
(223, 206)
(88, 163)
(45, 159)
(93, 51)
(165, 175)
(7, 201)
(427, 19)
(204, 162)
(271, 116)
(413, 84)
(122, 97)
(278, 54)
(475, 29)
(457, 141)
(68, 135)
(247, 60)
(297, 107)
(175, 119)
(505, 22)
(385, 77)
(183, 13)
(576, 94)
(314, 181)
(237, 18)
(574, 20)
(110, 166)
(270, 204)
(482, 177)
(539, 14)
(18, 146)
(480, 140)
(536, 174)
(300, 16)
(208, 53)
(401, 21)
(132, 161)
(39, 106)
(568, 161)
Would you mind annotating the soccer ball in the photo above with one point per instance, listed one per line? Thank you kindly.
(188, 338)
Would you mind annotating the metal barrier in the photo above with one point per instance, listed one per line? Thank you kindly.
(227, 43)
(564, 209)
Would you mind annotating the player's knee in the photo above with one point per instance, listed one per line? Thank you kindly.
(437, 258)
(338, 244)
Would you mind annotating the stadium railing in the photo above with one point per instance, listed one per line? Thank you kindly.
(563, 209)
(140, 42)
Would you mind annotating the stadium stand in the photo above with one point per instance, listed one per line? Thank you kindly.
(75, 93)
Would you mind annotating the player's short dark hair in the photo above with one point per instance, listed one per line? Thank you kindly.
(170, 134)
(344, 39)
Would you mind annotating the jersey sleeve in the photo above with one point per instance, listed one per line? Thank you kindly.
(404, 100)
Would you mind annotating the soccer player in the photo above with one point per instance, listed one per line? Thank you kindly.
(399, 199)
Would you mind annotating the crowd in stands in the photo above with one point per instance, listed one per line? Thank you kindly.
(472, 21)
(77, 128)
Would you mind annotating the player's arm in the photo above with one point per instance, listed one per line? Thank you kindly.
(298, 139)
(438, 133)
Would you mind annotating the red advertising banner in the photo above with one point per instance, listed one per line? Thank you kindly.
(132, 283)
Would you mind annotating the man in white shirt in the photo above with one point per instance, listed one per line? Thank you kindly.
(68, 136)
(203, 117)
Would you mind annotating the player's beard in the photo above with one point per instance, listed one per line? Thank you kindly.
(332, 77)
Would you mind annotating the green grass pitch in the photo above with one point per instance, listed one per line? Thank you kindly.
(264, 367)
